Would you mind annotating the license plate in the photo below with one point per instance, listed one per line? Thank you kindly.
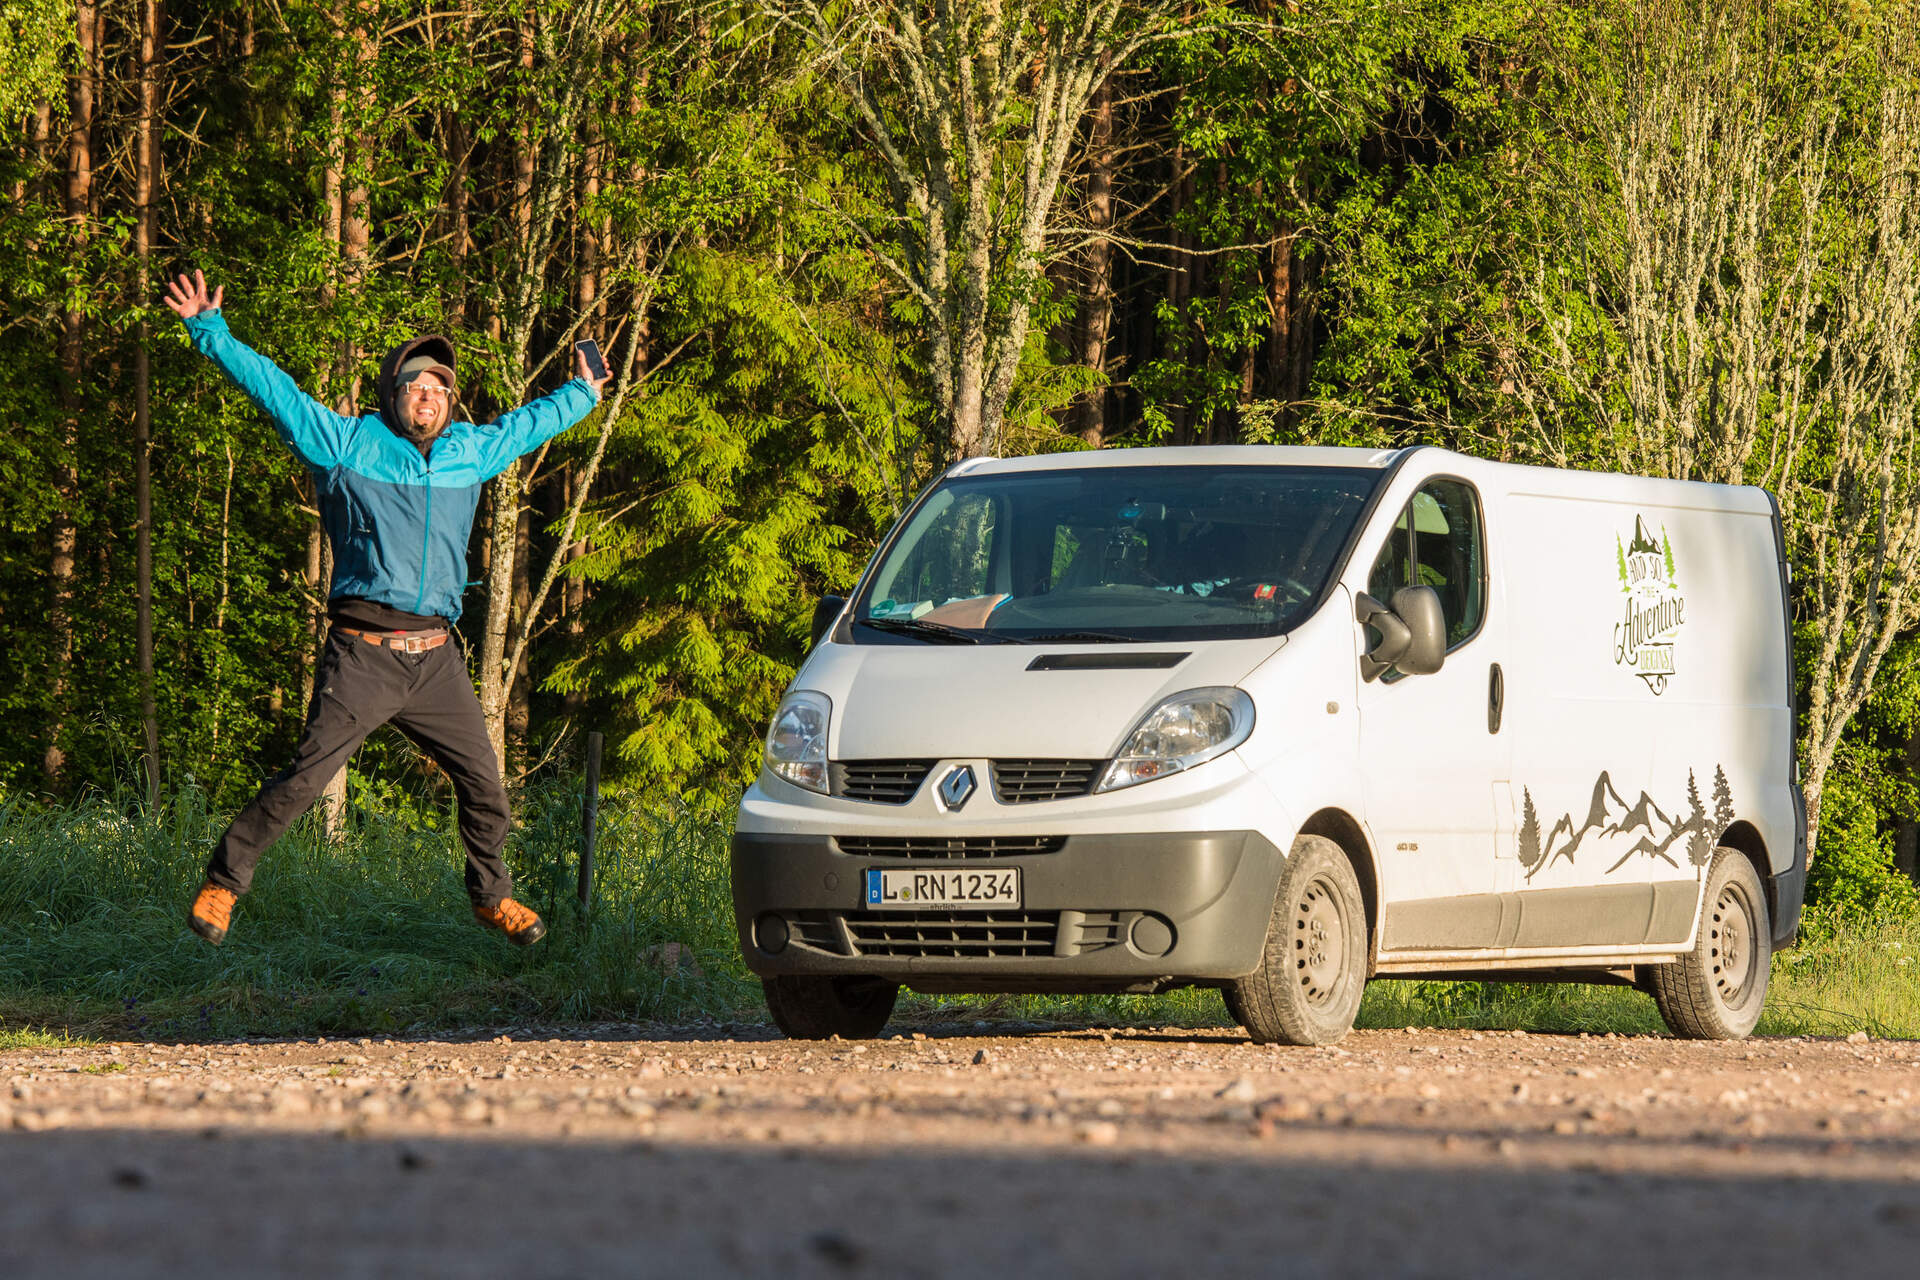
(916, 888)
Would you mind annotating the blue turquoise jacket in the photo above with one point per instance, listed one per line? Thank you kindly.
(399, 522)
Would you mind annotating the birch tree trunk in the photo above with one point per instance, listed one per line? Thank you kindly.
(973, 107)
(507, 491)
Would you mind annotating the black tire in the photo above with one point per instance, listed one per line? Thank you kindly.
(1313, 970)
(1235, 1010)
(1716, 991)
(810, 1008)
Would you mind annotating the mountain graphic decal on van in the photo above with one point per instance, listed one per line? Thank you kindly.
(1616, 827)
(1643, 641)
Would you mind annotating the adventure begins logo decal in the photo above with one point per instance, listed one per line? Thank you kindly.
(1643, 640)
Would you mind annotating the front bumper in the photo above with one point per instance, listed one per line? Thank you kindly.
(1101, 913)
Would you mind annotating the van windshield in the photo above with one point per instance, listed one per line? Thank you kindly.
(1115, 554)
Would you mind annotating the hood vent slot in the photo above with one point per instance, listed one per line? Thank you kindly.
(1107, 661)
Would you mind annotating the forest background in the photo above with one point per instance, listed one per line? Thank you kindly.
(830, 249)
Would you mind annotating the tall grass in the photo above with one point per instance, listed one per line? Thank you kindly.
(371, 933)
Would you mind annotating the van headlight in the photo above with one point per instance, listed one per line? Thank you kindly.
(797, 740)
(1185, 730)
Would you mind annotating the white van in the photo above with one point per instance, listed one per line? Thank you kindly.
(1279, 721)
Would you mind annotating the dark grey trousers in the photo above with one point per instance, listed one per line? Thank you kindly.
(359, 687)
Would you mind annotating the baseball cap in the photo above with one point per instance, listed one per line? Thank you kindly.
(419, 365)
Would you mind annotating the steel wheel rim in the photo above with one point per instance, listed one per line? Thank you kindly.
(1731, 953)
(1319, 943)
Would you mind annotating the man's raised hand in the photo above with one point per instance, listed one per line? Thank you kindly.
(585, 374)
(188, 298)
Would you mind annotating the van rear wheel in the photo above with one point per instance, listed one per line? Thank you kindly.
(816, 1008)
(1716, 992)
(1313, 969)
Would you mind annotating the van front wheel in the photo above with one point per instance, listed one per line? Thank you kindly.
(814, 1008)
(1716, 992)
(1313, 969)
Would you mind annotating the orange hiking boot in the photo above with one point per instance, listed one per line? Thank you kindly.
(519, 923)
(212, 912)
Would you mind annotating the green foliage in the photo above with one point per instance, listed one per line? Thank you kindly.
(1869, 793)
(1272, 119)
(1854, 874)
(35, 42)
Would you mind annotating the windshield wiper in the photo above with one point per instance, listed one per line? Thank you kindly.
(1081, 637)
(936, 631)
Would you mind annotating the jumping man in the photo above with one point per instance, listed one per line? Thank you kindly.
(397, 492)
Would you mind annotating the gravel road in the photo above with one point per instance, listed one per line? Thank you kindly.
(649, 1151)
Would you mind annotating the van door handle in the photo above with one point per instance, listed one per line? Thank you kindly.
(1496, 697)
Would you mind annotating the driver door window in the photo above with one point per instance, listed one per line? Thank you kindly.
(1438, 542)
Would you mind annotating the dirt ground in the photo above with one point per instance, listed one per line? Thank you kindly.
(998, 1152)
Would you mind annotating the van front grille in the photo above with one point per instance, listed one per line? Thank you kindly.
(954, 933)
(1019, 781)
(949, 846)
(983, 934)
(878, 781)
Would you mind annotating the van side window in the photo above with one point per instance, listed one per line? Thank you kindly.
(1437, 542)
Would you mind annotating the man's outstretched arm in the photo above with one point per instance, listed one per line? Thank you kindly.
(312, 430)
(533, 424)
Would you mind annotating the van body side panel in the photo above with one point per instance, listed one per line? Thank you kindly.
(1648, 695)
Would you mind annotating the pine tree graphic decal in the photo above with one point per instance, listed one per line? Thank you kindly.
(1722, 803)
(1666, 549)
(1620, 555)
(1699, 842)
(1529, 833)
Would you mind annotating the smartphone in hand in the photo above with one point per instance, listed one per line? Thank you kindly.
(595, 364)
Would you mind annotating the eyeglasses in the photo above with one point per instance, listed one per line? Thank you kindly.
(426, 389)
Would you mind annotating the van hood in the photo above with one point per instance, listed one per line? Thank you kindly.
(934, 701)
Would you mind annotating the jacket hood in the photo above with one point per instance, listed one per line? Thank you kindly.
(429, 344)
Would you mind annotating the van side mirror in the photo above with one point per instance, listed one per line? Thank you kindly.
(825, 614)
(1413, 633)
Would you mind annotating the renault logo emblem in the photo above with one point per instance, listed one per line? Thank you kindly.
(957, 786)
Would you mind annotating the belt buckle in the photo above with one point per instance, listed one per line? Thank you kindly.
(415, 644)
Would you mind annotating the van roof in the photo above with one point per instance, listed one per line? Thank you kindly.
(1217, 455)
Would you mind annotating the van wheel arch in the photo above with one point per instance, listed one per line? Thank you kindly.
(1339, 826)
(1745, 837)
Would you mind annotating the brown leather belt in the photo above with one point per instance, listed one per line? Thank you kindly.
(405, 641)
